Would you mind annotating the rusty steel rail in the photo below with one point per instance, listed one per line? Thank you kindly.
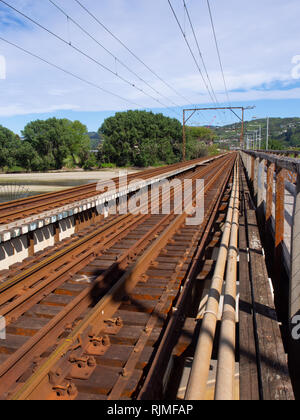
(104, 309)
(228, 370)
(31, 234)
(26, 207)
(153, 383)
(117, 266)
(78, 254)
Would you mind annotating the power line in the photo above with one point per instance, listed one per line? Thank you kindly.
(191, 51)
(215, 102)
(199, 50)
(67, 72)
(131, 52)
(86, 55)
(201, 56)
(70, 19)
(218, 51)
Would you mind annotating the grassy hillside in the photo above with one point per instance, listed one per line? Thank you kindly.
(284, 132)
(96, 140)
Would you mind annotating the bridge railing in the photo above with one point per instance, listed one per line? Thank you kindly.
(287, 153)
(275, 180)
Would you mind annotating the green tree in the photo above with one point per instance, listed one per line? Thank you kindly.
(28, 158)
(10, 145)
(80, 142)
(90, 163)
(140, 138)
(197, 140)
(55, 140)
(200, 134)
(276, 145)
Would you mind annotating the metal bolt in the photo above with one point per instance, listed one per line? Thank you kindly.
(72, 390)
(92, 362)
(106, 341)
(119, 322)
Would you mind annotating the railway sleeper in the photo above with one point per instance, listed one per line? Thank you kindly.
(157, 309)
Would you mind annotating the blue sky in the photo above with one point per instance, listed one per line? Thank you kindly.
(258, 41)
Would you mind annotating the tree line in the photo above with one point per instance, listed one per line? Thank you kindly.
(45, 145)
(133, 138)
(140, 138)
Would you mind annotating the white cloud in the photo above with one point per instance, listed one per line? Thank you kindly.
(257, 42)
(18, 109)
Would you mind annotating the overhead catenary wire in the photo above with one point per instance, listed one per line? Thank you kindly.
(133, 85)
(199, 50)
(192, 53)
(188, 101)
(117, 60)
(67, 72)
(193, 56)
(218, 51)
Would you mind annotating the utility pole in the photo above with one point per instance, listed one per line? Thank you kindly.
(242, 133)
(184, 139)
(253, 140)
(257, 134)
(267, 143)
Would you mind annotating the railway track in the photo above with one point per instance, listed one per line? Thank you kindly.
(218, 343)
(27, 207)
(85, 321)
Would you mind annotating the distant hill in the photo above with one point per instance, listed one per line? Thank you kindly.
(286, 131)
(96, 140)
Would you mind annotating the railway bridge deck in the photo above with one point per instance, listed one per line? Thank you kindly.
(153, 303)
